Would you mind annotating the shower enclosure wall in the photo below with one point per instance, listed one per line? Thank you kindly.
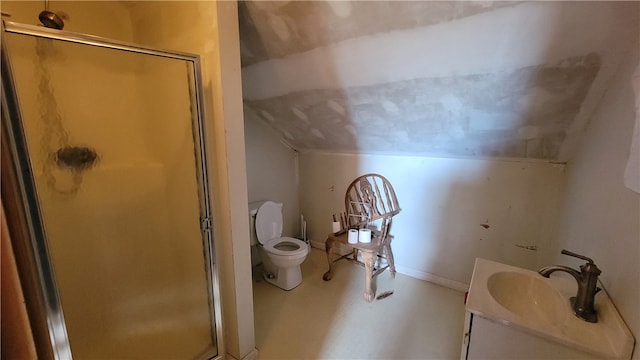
(107, 139)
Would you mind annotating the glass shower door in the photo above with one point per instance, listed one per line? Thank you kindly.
(114, 144)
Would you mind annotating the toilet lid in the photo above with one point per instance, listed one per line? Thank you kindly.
(269, 222)
(286, 246)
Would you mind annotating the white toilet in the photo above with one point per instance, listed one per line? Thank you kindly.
(281, 256)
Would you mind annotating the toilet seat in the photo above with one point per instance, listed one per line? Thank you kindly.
(270, 247)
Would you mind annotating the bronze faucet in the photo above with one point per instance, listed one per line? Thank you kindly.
(587, 278)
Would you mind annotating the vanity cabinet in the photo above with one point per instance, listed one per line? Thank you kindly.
(488, 339)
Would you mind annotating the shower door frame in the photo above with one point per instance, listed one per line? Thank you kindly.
(13, 135)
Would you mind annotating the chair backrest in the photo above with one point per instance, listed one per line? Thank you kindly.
(369, 199)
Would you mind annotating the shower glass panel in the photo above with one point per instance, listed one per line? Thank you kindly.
(113, 142)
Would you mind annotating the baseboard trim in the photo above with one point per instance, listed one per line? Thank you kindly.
(252, 355)
(438, 280)
(317, 244)
(417, 274)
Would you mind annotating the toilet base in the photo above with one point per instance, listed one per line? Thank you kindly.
(286, 278)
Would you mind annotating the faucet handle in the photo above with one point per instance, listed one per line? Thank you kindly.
(567, 252)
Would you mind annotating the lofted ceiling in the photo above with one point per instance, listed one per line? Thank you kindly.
(450, 79)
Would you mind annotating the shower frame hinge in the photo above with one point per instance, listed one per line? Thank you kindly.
(205, 224)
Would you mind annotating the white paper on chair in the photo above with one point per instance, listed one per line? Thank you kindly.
(364, 235)
(353, 236)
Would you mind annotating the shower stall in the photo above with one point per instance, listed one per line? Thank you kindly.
(106, 143)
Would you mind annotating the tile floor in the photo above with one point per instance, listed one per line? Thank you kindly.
(331, 320)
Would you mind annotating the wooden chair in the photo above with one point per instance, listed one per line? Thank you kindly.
(370, 202)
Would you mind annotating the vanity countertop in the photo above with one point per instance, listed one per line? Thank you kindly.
(525, 300)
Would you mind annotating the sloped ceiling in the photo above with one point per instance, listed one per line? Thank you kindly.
(451, 79)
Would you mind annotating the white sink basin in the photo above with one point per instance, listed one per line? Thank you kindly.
(525, 300)
(526, 296)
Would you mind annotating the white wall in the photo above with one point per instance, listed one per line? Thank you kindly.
(230, 201)
(272, 170)
(601, 216)
(389, 65)
(444, 203)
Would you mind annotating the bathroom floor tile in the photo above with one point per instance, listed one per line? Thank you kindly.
(331, 320)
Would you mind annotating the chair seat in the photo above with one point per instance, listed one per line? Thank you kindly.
(343, 239)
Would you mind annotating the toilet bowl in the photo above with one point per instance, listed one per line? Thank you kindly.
(281, 256)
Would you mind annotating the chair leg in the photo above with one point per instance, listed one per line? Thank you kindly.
(369, 262)
(329, 274)
(389, 254)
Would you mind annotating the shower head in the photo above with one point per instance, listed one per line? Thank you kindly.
(49, 18)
